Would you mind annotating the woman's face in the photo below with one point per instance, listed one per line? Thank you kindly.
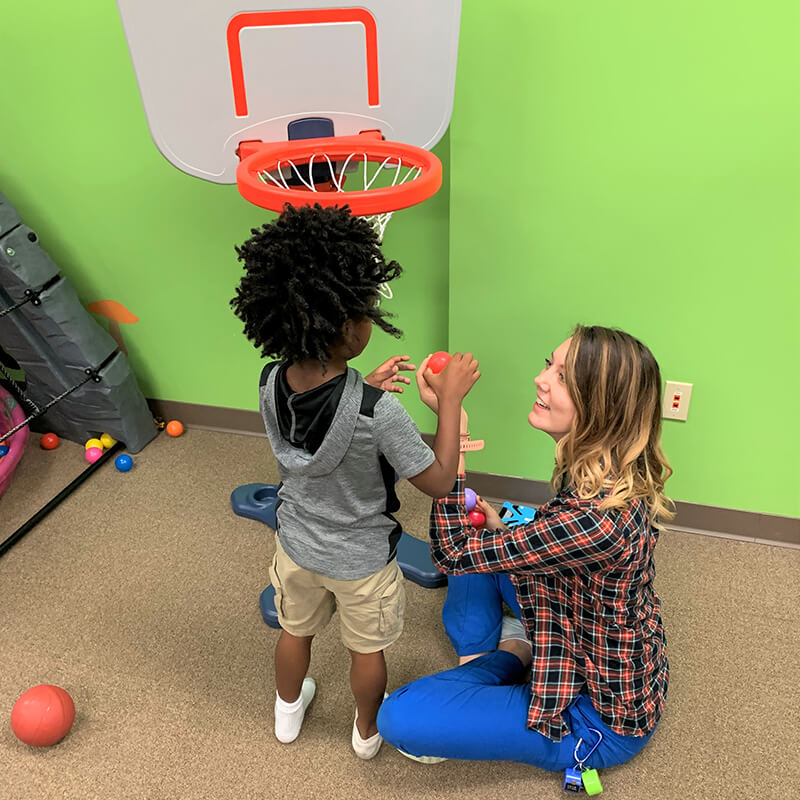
(553, 410)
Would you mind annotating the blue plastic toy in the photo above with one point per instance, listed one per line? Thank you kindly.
(256, 501)
(513, 514)
(267, 603)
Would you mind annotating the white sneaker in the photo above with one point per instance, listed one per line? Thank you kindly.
(422, 759)
(289, 716)
(513, 629)
(366, 748)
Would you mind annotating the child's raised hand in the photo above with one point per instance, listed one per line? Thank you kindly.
(455, 380)
(387, 376)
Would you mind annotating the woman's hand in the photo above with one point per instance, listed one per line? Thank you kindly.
(493, 521)
(426, 393)
(454, 381)
(387, 376)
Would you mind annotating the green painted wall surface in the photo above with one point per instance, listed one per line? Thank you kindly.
(635, 165)
(617, 163)
(78, 162)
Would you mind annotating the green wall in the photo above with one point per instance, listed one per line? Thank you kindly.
(616, 163)
(637, 166)
(78, 163)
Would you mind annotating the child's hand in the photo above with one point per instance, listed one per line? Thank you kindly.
(455, 380)
(493, 521)
(387, 376)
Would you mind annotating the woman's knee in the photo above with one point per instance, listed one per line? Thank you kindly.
(393, 717)
(413, 708)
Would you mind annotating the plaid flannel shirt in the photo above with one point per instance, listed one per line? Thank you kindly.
(584, 581)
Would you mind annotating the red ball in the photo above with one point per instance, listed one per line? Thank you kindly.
(43, 715)
(477, 518)
(49, 441)
(438, 361)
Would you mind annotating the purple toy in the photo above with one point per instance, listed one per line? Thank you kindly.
(471, 499)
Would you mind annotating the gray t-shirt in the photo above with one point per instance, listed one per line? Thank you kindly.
(336, 504)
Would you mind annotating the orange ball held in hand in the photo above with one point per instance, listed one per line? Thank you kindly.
(438, 361)
(174, 427)
(43, 715)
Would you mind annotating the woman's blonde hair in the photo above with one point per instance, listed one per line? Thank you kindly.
(614, 444)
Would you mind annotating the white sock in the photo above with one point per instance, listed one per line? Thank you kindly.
(289, 716)
(366, 748)
(512, 628)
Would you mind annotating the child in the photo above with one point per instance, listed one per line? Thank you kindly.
(309, 297)
(591, 631)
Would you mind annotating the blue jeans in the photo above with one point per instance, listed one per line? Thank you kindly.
(473, 610)
(478, 712)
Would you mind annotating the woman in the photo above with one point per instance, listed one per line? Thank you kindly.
(591, 631)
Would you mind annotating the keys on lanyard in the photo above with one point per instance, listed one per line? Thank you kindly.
(581, 777)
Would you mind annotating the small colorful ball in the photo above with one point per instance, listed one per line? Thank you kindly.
(49, 441)
(43, 715)
(4, 450)
(123, 462)
(107, 441)
(438, 361)
(93, 453)
(174, 427)
(471, 499)
(476, 518)
(93, 443)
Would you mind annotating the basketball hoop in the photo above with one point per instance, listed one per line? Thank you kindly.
(306, 171)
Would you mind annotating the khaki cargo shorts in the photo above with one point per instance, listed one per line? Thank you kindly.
(371, 609)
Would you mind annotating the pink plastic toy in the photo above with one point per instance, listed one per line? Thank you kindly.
(11, 415)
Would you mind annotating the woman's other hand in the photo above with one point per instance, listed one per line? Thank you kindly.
(493, 521)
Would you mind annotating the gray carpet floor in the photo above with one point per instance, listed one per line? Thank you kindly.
(139, 595)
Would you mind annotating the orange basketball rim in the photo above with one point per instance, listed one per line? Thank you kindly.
(272, 174)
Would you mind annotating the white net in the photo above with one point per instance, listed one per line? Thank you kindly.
(321, 174)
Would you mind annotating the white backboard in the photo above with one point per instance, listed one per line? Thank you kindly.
(213, 73)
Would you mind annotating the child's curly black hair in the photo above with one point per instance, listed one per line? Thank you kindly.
(306, 274)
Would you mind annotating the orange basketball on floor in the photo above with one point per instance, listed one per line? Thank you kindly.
(174, 428)
(43, 715)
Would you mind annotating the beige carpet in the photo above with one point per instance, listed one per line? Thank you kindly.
(139, 595)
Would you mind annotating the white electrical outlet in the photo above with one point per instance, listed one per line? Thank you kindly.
(676, 400)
